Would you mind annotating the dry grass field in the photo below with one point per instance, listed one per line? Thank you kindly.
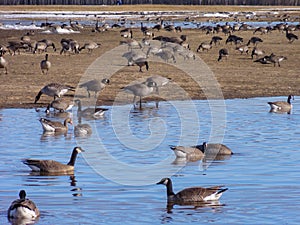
(238, 76)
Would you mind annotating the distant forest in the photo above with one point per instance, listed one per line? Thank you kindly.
(173, 2)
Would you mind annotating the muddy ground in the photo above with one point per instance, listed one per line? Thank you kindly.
(238, 76)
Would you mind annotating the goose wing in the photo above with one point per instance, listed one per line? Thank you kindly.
(46, 165)
(196, 194)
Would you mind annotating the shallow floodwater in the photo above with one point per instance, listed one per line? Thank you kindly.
(114, 179)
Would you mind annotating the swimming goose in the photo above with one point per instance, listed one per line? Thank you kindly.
(51, 166)
(140, 90)
(82, 130)
(280, 106)
(54, 90)
(23, 208)
(192, 194)
(214, 149)
(94, 85)
(159, 81)
(55, 126)
(89, 112)
(45, 65)
(189, 153)
(3, 62)
(223, 53)
(61, 105)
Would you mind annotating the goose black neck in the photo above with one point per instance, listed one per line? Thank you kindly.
(170, 188)
(38, 97)
(289, 99)
(73, 158)
(79, 106)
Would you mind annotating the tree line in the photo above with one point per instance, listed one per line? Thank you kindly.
(173, 2)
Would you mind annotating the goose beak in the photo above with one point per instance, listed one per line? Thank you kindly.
(160, 182)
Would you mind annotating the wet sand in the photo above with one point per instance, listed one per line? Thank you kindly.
(238, 76)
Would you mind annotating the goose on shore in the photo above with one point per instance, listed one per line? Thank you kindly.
(55, 126)
(94, 85)
(3, 62)
(89, 112)
(223, 52)
(192, 194)
(140, 90)
(61, 105)
(51, 166)
(23, 208)
(290, 36)
(204, 46)
(90, 46)
(281, 106)
(276, 59)
(45, 65)
(141, 62)
(54, 90)
(254, 41)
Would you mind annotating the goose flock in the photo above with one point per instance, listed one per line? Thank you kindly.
(139, 53)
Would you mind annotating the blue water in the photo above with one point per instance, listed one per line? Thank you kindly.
(128, 152)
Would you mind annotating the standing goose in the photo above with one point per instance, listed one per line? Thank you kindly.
(140, 62)
(61, 105)
(159, 81)
(54, 90)
(290, 36)
(89, 112)
(276, 59)
(254, 41)
(90, 46)
(55, 126)
(223, 53)
(280, 106)
(51, 166)
(45, 65)
(23, 208)
(94, 85)
(3, 62)
(192, 194)
(140, 90)
(192, 153)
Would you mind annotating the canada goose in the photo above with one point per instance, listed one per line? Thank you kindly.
(131, 56)
(276, 59)
(55, 126)
(143, 28)
(290, 36)
(94, 85)
(90, 46)
(82, 130)
(263, 60)
(169, 27)
(166, 55)
(69, 45)
(235, 39)
(23, 208)
(192, 194)
(49, 43)
(45, 65)
(257, 52)
(40, 47)
(15, 46)
(214, 149)
(223, 52)
(159, 81)
(54, 90)
(189, 153)
(51, 166)
(216, 39)
(204, 46)
(89, 112)
(159, 26)
(126, 33)
(140, 90)
(262, 30)
(133, 44)
(3, 62)
(281, 106)
(254, 41)
(60, 104)
(243, 49)
(140, 62)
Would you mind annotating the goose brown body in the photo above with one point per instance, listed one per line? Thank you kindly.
(281, 106)
(51, 166)
(22, 208)
(55, 126)
(192, 194)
